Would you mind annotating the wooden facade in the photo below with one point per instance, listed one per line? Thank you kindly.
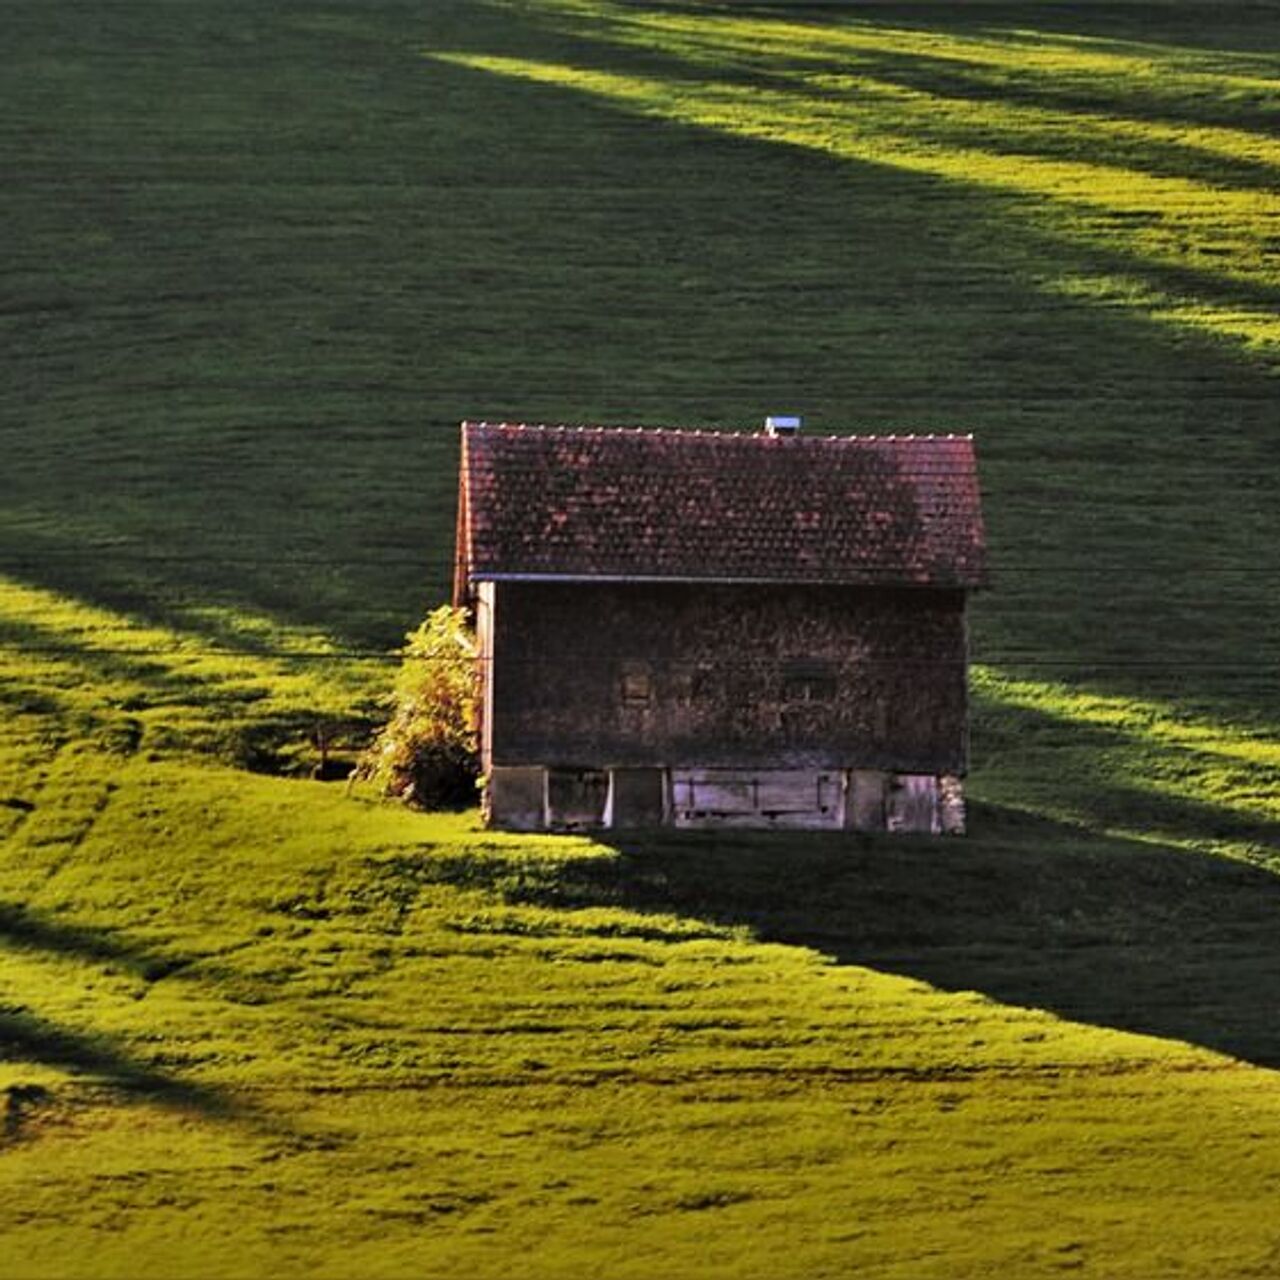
(664, 685)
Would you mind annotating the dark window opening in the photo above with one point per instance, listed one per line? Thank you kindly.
(576, 798)
(689, 683)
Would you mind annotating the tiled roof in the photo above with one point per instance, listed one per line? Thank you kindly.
(612, 503)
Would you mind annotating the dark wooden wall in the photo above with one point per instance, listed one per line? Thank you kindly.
(785, 676)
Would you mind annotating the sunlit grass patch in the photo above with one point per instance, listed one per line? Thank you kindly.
(1215, 228)
(1145, 768)
(94, 673)
(1162, 191)
(1038, 55)
(1163, 723)
(1253, 328)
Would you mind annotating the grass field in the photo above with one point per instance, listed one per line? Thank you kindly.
(260, 262)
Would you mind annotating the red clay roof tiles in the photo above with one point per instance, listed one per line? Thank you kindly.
(611, 503)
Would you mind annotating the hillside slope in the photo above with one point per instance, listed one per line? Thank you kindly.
(261, 261)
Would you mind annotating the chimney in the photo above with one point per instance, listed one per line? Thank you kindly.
(782, 425)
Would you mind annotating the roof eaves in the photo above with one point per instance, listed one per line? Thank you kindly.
(878, 580)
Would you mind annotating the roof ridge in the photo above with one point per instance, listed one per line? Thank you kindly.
(727, 433)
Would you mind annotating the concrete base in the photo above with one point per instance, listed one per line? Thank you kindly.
(515, 798)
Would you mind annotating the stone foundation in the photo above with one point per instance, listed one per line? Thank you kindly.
(536, 798)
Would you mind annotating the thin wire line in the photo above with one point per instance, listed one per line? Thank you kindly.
(557, 661)
(999, 567)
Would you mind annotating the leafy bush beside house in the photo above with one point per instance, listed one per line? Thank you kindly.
(427, 754)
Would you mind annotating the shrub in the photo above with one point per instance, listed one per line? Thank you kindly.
(427, 754)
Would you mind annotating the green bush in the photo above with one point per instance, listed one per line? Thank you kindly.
(427, 754)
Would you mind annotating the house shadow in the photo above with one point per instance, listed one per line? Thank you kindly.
(1113, 932)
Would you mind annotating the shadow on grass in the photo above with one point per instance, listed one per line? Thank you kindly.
(117, 683)
(1122, 776)
(1129, 22)
(27, 1037)
(21, 926)
(1108, 931)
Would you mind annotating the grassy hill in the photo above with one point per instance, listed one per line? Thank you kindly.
(261, 260)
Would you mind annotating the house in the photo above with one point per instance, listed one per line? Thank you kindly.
(701, 628)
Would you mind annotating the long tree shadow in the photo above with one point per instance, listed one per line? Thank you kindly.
(1114, 772)
(26, 1037)
(148, 675)
(1113, 932)
(1129, 22)
(26, 927)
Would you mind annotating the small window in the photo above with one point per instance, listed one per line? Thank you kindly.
(637, 685)
(808, 680)
(689, 683)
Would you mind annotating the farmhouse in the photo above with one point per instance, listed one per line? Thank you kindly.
(702, 628)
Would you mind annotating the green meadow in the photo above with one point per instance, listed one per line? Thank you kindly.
(259, 262)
